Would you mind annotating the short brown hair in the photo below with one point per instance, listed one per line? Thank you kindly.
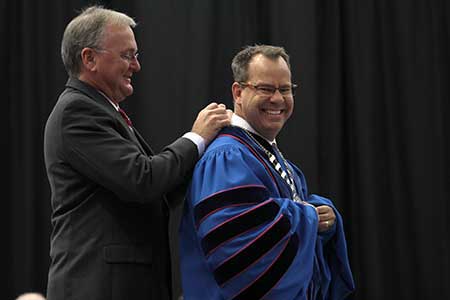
(240, 62)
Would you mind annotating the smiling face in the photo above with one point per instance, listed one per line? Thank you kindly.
(266, 114)
(110, 68)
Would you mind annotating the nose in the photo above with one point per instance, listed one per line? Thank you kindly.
(136, 66)
(276, 97)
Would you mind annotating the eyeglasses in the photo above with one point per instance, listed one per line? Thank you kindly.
(269, 90)
(129, 56)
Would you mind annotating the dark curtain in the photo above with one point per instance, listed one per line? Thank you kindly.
(370, 127)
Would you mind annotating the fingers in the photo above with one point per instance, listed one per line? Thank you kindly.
(323, 209)
(214, 105)
(327, 218)
(211, 119)
(218, 116)
(214, 109)
(324, 226)
(211, 105)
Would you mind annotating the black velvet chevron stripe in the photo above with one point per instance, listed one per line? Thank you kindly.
(242, 260)
(269, 279)
(242, 195)
(240, 224)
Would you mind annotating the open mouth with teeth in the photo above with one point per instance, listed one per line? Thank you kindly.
(273, 112)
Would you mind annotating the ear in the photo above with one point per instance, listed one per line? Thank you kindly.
(236, 90)
(88, 58)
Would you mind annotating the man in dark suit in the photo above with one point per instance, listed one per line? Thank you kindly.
(111, 194)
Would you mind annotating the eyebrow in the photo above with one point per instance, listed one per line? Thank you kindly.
(130, 50)
(282, 85)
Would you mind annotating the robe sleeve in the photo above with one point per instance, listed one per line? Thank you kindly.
(333, 273)
(254, 242)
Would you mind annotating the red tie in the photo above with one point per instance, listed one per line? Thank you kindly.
(125, 117)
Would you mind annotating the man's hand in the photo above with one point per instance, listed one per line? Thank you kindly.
(210, 120)
(326, 217)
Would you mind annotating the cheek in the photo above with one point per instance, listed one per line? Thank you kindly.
(118, 69)
(252, 108)
(290, 107)
(245, 104)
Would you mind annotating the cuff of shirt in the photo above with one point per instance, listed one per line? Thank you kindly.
(197, 140)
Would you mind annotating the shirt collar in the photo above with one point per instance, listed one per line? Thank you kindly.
(114, 104)
(240, 122)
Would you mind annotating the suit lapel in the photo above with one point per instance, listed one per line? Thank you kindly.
(132, 135)
(148, 150)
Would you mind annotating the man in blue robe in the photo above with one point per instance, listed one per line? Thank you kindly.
(250, 229)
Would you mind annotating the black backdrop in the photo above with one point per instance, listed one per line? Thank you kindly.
(370, 128)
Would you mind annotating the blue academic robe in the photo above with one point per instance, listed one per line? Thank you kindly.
(242, 237)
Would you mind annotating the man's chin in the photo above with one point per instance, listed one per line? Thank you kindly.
(271, 132)
(127, 91)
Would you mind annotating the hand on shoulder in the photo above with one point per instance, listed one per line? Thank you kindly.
(211, 119)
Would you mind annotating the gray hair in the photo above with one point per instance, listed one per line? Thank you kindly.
(240, 62)
(86, 30)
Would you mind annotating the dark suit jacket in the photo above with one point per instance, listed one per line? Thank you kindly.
(109, 201)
